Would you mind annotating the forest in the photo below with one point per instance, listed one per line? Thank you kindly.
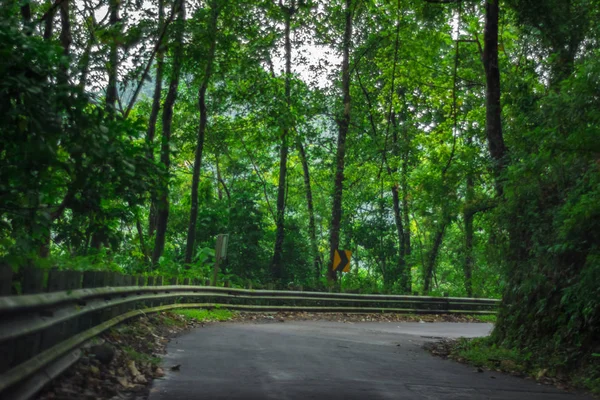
(452, 145)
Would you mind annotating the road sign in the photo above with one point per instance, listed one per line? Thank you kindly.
(341, 260)
(221, 247)
(220, 254)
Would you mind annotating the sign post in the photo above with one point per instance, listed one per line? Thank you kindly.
(220, 254)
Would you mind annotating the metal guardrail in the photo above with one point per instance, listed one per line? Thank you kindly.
(39, 330)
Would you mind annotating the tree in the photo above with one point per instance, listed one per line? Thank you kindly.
(167, 120)
(343, 123)
(212, 29)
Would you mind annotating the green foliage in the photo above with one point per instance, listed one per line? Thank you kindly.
(482, 353)
(79, 180)
(206, 315)
(141, 357)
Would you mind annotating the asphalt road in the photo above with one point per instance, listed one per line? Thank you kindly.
(330, 360)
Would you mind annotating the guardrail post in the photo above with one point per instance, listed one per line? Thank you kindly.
(6, 275)
(57, 281)
(89, 279)
(33, 280)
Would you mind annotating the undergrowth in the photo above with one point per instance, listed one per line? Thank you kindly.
(483, 352)
(202, 315)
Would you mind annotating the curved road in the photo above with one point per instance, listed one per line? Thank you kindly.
(331, 360)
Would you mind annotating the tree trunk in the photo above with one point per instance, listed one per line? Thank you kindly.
(343, 123)
(493, 123)
(401, 262)
(151, 133)
(140, 230)
(468, 217)
(113, 58)
(26, 16)
(277, 263)
(406, 279)
(167, 119)
(49, 22)
(312, 230)
(65, 37)
(435, 249)
(191, 234)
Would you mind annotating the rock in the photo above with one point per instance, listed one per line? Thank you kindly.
(158, 373)
(132, 368)
(95, 370)
(541, 373)
(176, 367)
(103, 353)
(124, 382)
(508, 365)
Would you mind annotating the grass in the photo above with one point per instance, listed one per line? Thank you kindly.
(167, 321)
(484, 318)
(202, 315)
(140, 357)
(481, 352)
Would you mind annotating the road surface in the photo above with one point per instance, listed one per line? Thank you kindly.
(331, 360)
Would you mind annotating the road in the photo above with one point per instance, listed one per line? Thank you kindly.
(331, 360)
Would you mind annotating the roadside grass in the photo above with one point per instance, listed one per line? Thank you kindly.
(170, 322)
(202, 315)
(141, 357)
(482, 352)
(491, 318)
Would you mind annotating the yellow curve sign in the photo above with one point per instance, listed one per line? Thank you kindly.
(341, 260)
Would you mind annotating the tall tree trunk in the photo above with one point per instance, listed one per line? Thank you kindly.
(49, 22)
(406, 278)
(435, 249)
(191, 233)
(493, 123)
(167, 120)
(277, 262)
(312, 230)
(113, 58)
(26, 17)
(401, 261)
(219, 179)
(468, 218)
(400, 268)
(343, 123)
(65, 37)
(151, 133)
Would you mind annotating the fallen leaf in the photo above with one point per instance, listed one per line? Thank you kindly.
(124, 382)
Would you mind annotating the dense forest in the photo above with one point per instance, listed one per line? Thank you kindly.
(452, 145)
